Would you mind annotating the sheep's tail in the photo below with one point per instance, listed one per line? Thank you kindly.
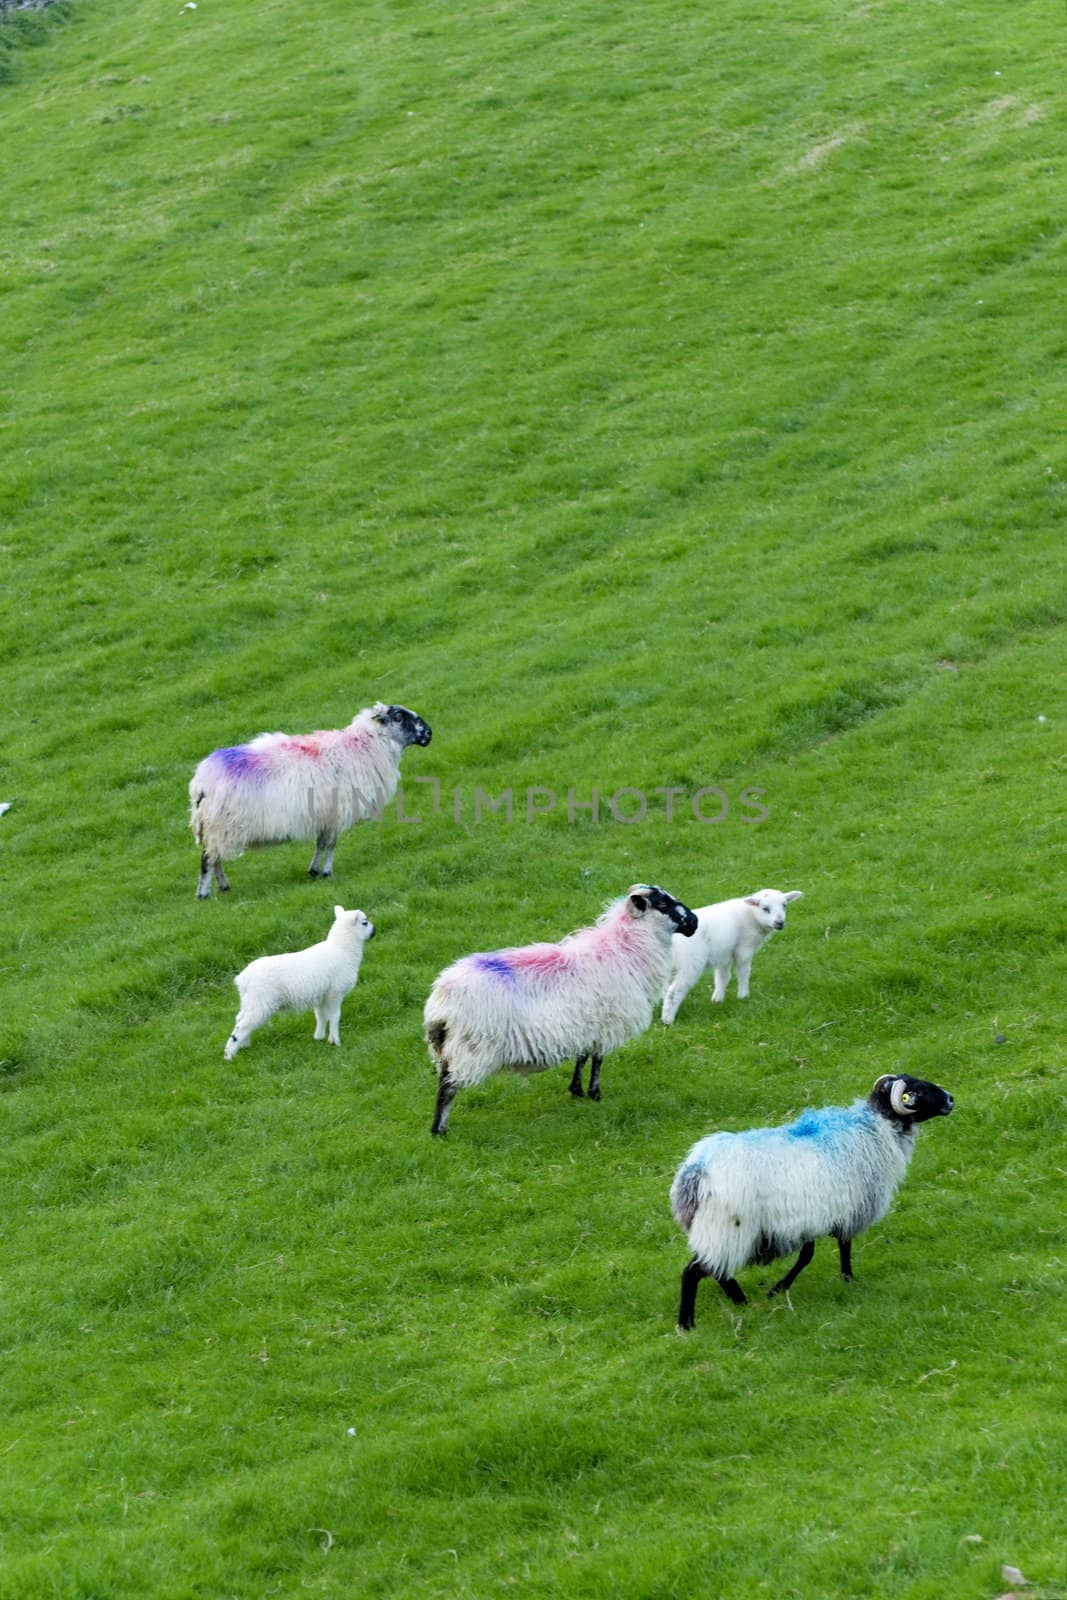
(685, 1196)
(436, 1034)
(196, 819)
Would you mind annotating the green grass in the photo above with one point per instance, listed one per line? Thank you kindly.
(660, 397)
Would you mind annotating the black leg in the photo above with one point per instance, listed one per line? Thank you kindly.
(594, 1079)
(802, 1260)
(845, 1247)
(203, 888)
(576, 1080)
(692, 1274)
(446, 1093)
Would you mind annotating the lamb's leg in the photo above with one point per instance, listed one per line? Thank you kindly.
(744, 967)
(676, 993)
(203, 888)
(594, 1079)
(845, 1248)
(802, 1260)
(446, 1093)
(333, 1017)
(722, 978)
(243, 1029)
(320, 1022)
(576, 1080)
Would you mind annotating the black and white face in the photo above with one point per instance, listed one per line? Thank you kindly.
(646, 897)
(404, 725)
(909, 1100)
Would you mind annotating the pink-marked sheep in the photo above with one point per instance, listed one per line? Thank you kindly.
(530, 1008)
(283, 786)
(316, 979)
(728, 935)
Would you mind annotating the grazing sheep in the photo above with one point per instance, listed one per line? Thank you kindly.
(316, 979)
(751, 1197)
(530, 1008)
(728, 934)
(283, 786)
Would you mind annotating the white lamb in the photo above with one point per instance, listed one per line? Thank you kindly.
(728, 935)
(306, 786)
(316, 979)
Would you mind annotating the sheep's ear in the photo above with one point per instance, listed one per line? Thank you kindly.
(338, 911)
(794, 894)
(639, 902)
(379, 711)
(750, 900)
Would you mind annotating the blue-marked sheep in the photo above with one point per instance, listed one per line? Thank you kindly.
(749, 1198)
(531, 1008)
(282, 787)
(316, 979)
(728, 934)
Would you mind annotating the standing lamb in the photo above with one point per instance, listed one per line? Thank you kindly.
(530, 1008)
(288, 786)
(752, 1197)
(728, 934)
(316, 979)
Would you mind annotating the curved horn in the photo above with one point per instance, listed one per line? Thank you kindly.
(896, 1099)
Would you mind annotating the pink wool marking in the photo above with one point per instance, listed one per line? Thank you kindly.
(309, 745)
(540, 960)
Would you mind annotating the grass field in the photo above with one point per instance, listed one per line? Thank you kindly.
(668, 396)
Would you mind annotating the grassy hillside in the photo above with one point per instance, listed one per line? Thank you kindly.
(660, 398)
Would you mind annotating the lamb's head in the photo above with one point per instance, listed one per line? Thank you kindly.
(646, 900)
(401, 724)
(906, 1100)
(351, 927)
(769, 906)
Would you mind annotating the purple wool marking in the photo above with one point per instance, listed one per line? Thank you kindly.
(237, 761)
(497, 966)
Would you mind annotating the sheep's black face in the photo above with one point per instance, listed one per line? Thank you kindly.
(909, 1100)
(404, 725)
(649, 896)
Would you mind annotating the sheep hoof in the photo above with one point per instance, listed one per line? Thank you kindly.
(577, 1091)
(594, 1094)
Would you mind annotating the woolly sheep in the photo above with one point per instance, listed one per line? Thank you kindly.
(283, 786)
(316, 979)
(728, 933)
(530, 1008)
(752, 1197)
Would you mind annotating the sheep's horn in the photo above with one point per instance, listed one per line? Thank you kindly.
(896, 1099)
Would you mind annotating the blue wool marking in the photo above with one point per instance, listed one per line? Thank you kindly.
(497, 966)
(238, 761)
(827, 1125)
